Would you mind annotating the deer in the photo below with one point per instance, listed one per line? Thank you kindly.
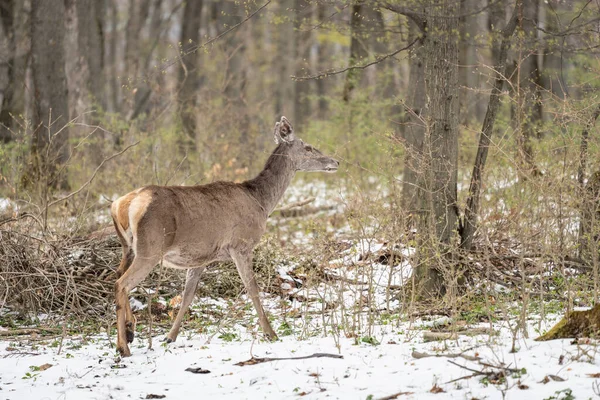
(192, 227)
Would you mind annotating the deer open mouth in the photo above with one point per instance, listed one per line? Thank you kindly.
(331, 169)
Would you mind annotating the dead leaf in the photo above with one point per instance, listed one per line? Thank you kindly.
(436, 389)
(44, 367)
(522, 386)
(155, 396)
(596, 375)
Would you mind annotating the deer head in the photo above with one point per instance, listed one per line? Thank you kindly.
(303, 156)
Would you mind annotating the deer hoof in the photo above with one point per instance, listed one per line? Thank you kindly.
(129, 332)
(124, 351)
(168, 340)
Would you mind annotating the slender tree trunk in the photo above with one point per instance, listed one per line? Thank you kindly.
(189, 72)
(438, 221)
(413, 131)
(323, 54)
(51, 112)
(113, 98)
(137, 89)
(472, 26)
(358, 51)
(302, 37)
(90, 14)
(472, 209)
(7, 48)
(528, 112)
(285, 89)
(15, 45)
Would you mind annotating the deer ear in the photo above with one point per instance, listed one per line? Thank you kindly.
(284, 131)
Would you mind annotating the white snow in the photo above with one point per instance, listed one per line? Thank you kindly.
(86, 369)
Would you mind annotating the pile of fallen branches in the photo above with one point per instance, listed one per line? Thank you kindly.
(75, 276)
(41, 275)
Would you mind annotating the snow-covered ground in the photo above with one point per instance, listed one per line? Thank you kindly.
(385, 361)
(88, 369)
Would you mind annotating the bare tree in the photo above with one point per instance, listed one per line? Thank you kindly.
(358, 51)
(51, 112)
(15, 49)
(439, 217)
(189, 81)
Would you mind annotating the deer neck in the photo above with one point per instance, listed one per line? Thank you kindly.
(268, 187)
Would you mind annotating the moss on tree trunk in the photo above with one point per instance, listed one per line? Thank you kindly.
(575, 324)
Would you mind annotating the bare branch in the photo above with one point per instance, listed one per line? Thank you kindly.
(379, 59)
(194, 49)
(93, 175)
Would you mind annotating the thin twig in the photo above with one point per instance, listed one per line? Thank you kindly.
(86, 184)
(352, 67)
(259, 360)
(194, 49)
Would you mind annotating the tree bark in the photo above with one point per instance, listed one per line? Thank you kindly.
(302, 36)
(413, 131)
(358, 51)
(138, 89)
(189, 81)
(285, 89)
(528, 112)
(91, 48)
(438, 220)
(51, 115)
(15, 45)
(472, 208)
(472, 26)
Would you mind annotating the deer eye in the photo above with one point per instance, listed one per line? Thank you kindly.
(308, 148)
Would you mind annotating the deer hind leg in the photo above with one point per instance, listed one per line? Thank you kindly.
(138, 270)
(243, 262)
(191, 283)
(126, 261)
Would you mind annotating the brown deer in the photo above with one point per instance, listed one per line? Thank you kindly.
(190, 227)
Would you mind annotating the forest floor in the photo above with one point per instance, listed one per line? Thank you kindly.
(372, 345)
(396, 362)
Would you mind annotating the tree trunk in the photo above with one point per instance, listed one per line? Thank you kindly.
(302, 37)
(472, 26)
(51, 115)
(15, 45)
(114, 96)
(91, 48)
(501, 55)
(358, 51)
(323, 54)
(528, 112)
(189, 72)
(135, 85)
(285, 89)
(413, 131)
(438, 221)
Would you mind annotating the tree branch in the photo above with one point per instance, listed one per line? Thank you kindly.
(93, 175)
(194, 49)
(472, 208)
(379, 59)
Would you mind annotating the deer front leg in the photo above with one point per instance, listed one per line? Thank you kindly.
(191, 283)
(243, 262)
(136, 273)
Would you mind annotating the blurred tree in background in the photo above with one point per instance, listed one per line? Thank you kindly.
(411, 92)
